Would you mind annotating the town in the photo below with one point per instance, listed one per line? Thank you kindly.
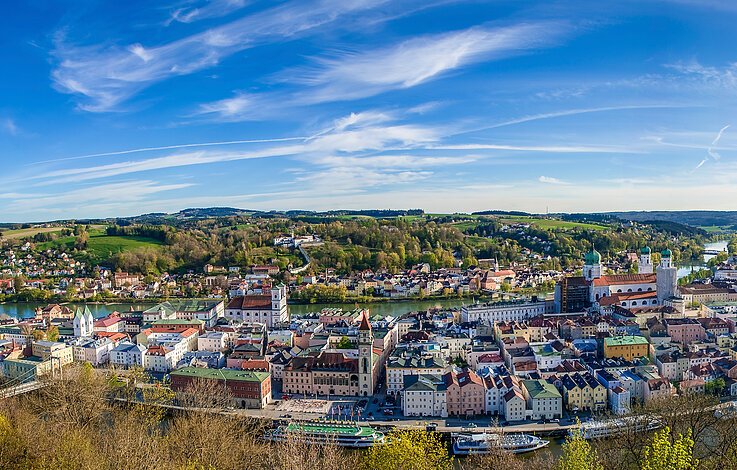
(603, 343)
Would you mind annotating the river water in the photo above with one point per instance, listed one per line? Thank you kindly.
(685, 269)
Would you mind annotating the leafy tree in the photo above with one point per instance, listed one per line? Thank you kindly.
(412, 449)
(715, 387)
(578, 454)
(52, 333)
(662, 454)
(344, 343)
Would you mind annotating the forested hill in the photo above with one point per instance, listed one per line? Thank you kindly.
(693, 218)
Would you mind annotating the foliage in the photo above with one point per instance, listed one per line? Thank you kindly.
(578, 454)
(715, 387)
(413, 449)
(664, 453)
(344, 343)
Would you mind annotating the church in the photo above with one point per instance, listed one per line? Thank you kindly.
(644, 289)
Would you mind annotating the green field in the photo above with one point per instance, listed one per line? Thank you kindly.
(101, 247)
(551, 224)
(717, 228)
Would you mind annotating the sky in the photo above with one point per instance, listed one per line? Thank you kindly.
(122, 108)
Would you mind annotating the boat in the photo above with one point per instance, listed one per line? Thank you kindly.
(341, 433)
(617, 426)
(485, 443)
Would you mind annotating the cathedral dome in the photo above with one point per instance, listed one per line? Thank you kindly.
(645, 251)
(666, 253)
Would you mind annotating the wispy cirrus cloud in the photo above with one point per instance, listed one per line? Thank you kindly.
(103, 76)
(206, 10)
(356, 75)
(9, 126)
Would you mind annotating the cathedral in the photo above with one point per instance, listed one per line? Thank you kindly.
(644, 289)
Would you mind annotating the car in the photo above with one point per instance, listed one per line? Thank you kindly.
(470, 426)
(388, 411)
(286, 416)
(556, 420)
(370, 418)
(431, 427)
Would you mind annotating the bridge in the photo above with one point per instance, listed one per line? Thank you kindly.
(24, 383)
(713, 252)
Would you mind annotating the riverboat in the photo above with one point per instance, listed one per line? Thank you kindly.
(485, 443)
(617, 426)
(341, 433)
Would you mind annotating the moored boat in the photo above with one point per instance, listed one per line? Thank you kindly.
(484, 443)
(343, 434)
(617, 426)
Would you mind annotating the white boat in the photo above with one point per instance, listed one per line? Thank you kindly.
(617, 426)
(343, 434)
(484, 443)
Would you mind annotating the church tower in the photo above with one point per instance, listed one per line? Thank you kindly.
(667, 277)
(365, 357)
(646, 264)
(592, 265)
(83, 322)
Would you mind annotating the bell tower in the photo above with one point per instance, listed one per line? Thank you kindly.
(365, 357)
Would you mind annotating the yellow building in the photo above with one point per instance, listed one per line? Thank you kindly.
(627, 347)
(583, 392)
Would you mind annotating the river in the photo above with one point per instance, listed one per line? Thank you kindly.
(685, 269)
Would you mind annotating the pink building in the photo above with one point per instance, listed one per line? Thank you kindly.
(466, 394)
(684, 330)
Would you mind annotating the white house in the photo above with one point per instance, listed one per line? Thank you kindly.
(425, 395)
(127, 355)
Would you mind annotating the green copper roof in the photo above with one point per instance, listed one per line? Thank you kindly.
(666, 253)
(221, 374)
(593, 257)
(540, 389)
(646, 250)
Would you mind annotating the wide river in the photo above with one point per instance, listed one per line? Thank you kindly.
(685, 269)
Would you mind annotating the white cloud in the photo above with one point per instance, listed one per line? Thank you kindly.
(355, 75)
(104, 76)
(551, 180)
(9, 126)
(209, 9)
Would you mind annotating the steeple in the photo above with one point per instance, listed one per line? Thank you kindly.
(365, 357)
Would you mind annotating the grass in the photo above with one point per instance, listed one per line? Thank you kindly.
(551, 224)
(717, 228)
(29, 232)
(101, 247)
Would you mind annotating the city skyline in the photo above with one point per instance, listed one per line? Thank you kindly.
(318, 105)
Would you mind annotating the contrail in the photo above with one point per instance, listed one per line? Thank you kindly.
(170, 147)
(711, 151)
(719, 135)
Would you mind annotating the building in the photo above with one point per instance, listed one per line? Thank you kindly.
(269, 308)
(208, 311)
(247, 388)
(542, 399)
(583, 392)
(366, 381)
(466, 394)
(424, 395)
(495, 312)
(407, 362)
(83, 322)
(94, 351)
(127, 355)
(626, 347)
(706, 293)
(59, 353)
(684, 331)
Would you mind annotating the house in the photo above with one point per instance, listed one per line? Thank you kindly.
(269, 308)
(627, 347)
(514, 405)
(466, 393)
(542, 399)
(248, 389)
(424, 395)
(583, 392)
(127, 355)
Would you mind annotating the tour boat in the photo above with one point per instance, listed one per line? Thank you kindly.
(617, 426)
(341, 433)
(484, 443)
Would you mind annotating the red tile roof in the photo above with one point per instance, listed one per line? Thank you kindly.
(251, 302)
(616, 279)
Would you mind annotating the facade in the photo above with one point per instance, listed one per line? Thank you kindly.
(409, 363)
(269, 308)
(127, 355)
(94, 351)
(504, 311)
(424, 395)
(684, 330)
(543, 399)
(83, 322)
(248, 389)
(627, 347)
(583, 392)
(466, 394)
(366, 381)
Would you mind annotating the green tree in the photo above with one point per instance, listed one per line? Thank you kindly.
(52, 333)
(578, 454)
(413, 449)
(344, 343)
(715, 387)
(664, 454)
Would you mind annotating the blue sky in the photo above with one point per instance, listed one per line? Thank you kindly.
(122, 108)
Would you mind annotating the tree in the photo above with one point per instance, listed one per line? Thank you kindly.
(344, 343)
(662, 454)
(19, 283)
(52, 333)
(413, 449)
(578, 454)
(715, 387)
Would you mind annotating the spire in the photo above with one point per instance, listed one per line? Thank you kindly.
(365, 325)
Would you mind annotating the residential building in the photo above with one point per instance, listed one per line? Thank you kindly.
(424, 395)
(248, 389)
(627, 347)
